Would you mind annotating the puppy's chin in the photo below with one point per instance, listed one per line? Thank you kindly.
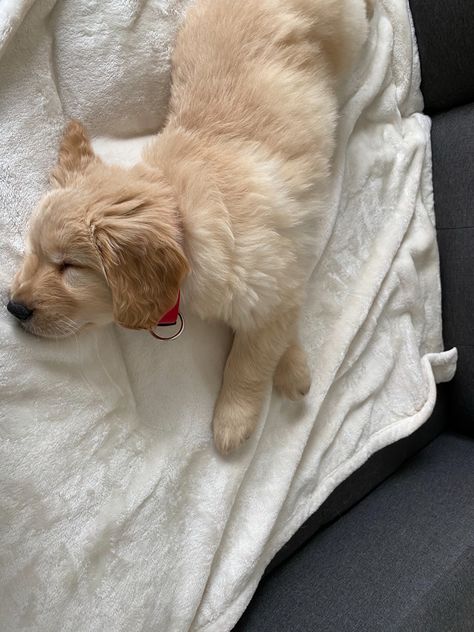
(60, 327)
(52, 330)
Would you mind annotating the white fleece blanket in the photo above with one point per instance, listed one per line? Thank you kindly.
(116, 512)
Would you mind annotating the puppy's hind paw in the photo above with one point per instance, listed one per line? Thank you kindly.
(292, 378)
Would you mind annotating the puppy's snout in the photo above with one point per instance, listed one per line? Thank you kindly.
(20, 311)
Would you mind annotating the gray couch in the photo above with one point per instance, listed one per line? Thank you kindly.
(402, 557)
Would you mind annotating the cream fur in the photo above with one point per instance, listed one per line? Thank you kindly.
(227, 202)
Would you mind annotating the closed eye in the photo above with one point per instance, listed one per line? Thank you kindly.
(66, 265)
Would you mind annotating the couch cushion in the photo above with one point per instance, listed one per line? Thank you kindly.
(452, 139)
(444, 30)
(453, 182)
(380, 465)
(398, 561)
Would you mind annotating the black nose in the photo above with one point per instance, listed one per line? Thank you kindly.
(19, 311)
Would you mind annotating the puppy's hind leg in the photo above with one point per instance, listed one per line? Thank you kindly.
(292, 378)
(247, 375)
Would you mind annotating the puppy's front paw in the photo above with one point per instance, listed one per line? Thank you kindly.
(292, 377)
(233, 424)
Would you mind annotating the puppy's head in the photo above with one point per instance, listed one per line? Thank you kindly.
(103, 245)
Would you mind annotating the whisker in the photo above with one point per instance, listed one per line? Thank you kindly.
(57, 329)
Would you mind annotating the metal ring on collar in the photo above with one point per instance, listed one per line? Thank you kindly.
(174, 336)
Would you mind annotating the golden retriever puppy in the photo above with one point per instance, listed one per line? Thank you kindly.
(226, 203)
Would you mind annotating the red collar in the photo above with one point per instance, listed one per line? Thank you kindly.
(171, 317)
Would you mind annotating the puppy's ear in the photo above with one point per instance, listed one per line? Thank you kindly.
(143, 263)
(75, 154)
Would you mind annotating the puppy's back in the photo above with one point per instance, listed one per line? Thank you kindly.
(265, 72)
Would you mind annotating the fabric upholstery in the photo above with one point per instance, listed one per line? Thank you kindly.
(452, 139)
(380, 465)
(448, 602)
(446, 46)
(401, 560)
(453, 182)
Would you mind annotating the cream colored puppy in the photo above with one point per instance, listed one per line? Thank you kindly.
(225, 204)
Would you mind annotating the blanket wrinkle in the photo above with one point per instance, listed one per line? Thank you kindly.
(255, 441)
(12, 14)
(53, 57)
(115, 510)
(123, 358)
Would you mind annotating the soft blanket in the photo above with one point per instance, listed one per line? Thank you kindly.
(116, 511)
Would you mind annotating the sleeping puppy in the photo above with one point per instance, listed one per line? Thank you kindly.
(227, 203)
